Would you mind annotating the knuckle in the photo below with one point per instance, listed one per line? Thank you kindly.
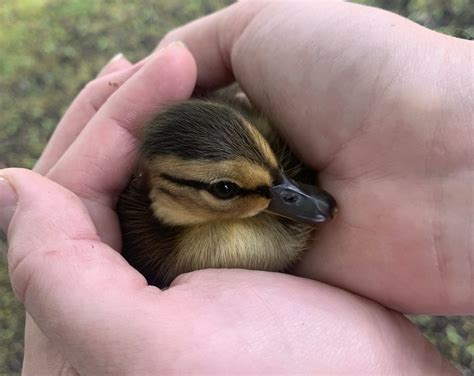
(90, 87)
(171, 36)
(89, 92)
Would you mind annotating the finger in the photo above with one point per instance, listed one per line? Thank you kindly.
(57, 265)
(109, 139)
(117, 63)
(57, 223)
(211, 40)
(98, 165)
(298, 63)
(82, 109)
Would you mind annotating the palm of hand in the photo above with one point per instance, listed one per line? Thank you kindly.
(397, 230)
(375, 119)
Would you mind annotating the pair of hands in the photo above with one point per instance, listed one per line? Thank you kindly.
(376, 103)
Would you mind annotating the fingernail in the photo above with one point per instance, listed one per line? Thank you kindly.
(116, 57)
(161, 48)
(177, 44)
(8, 202)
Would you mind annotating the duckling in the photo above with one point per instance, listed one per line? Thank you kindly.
(217, 188)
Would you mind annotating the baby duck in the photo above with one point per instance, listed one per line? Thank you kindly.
(217, 188)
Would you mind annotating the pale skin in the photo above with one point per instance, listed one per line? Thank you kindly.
(381, 106)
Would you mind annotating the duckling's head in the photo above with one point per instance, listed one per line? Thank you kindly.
(203, 161)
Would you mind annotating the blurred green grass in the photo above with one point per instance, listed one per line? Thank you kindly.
(50, 49)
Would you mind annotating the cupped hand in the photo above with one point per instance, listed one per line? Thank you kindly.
(383, 108)
(93, 314)
(90, 313)
(92, 153)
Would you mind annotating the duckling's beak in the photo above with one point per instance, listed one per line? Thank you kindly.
(301, 202)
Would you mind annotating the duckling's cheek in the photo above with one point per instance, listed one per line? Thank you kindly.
(253, 206)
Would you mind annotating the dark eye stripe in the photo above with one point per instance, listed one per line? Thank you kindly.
(262, 190)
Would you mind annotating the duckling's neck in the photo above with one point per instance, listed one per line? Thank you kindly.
(263, 242)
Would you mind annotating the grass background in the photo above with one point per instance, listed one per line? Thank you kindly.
(50, 49)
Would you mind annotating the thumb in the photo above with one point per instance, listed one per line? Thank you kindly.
(38, 214)
(69, 281)
(51, 237)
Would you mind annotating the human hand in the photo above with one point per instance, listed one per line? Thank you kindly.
(383, 108)
(93, 314)
(99, 316)
(101, 121)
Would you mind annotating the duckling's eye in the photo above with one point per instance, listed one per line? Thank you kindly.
(224, 190)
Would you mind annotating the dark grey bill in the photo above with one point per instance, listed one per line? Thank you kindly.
(301, 202)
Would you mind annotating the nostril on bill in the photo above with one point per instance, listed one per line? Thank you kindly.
(289, 197)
